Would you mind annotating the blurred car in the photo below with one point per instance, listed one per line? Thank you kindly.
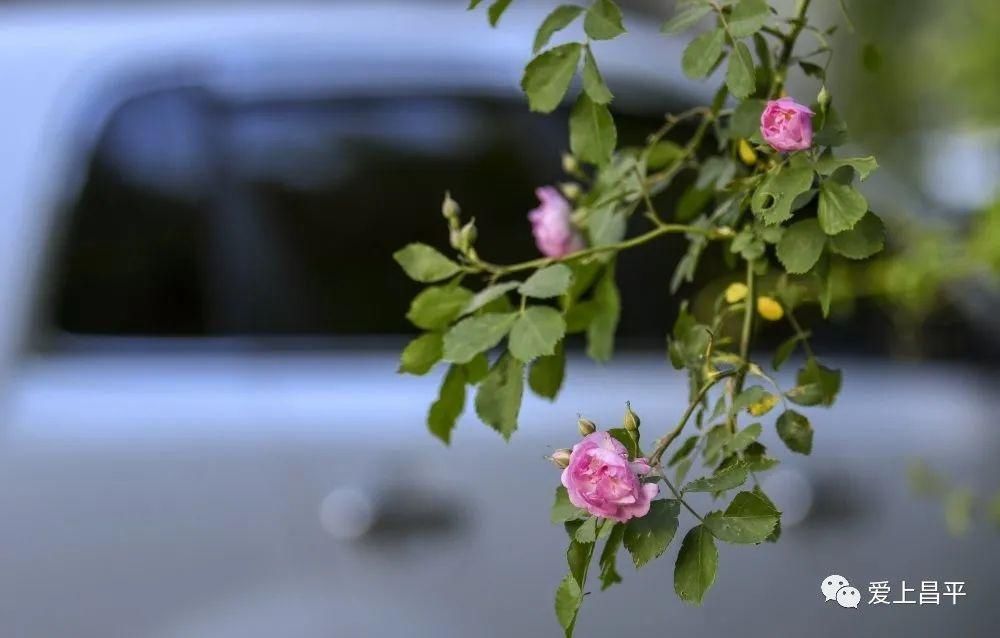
(203, 432)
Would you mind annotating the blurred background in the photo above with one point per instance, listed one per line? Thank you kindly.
(202, 434)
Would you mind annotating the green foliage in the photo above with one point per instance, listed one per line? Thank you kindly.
(697, 563)
(603, 20)
(796, 431)
(701, 56)
(536, 332)
(423, 263)
(560, 18)
(750, 518)
(785, 224)
(498, 400)
(647, 538)
(592, 132)
(421, 354)
(547, 77)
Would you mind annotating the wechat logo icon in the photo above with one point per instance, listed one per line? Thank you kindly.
(837, 588)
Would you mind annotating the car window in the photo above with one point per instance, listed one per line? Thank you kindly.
(201, 217)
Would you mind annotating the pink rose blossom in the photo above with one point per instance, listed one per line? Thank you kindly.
(786, 125)
(551, 225)
(601, 480)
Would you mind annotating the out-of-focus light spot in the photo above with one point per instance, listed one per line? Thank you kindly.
(347, 513)
(792, 493)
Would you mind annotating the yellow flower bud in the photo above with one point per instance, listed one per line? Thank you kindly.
(736, 292)
(769, 308)
(631, 421)
(747, 154)
(560, 458)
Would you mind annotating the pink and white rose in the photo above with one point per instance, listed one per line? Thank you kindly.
(551, 225)
(601, 479)
(787, 125)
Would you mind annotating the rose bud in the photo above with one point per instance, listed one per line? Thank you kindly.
(554, 233)
(560, 458)
(786, 125)
(586, 426)
(631, 421)
(601, 479)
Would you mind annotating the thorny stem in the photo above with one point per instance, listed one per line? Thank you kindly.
(638, 240)
(799, 23)
(745, 338)
(661, 447)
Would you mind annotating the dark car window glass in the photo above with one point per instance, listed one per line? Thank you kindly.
(204, 218)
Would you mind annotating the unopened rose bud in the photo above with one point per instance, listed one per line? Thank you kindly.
(569, 164)
(747, 154)
(560, 458)
(449, 208)
(468, 236)
(455, 238)
(570, 190)
(769, 308)
(631, 421)
(787, 125)
(736, 292)
(586, 426)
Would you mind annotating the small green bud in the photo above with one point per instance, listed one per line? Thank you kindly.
(560, 458)
(724, 232)
(586, 426)
(570, 190)
(569, 164)
(631, 419)
(455, 238)
(449, 208)
(467, 236)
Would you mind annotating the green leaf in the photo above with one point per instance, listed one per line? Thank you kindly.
(772, 201)
(801, 246)
(601, 331)
(609, 570)
(477, 369)
(743, 438)
(817, 385)
(563, 510)
(578, 556)
(498, 400)
(550, 281)
(546, 375)
(647, 537)
(796, 431)
(861, 242)
(715, 442)
(488, 295)
(568, 599)
(863, 165)
(547, 77)
(536, 332)
(745, 120)
(663, 154)
(748, 519)
(606, 225)
(603, 20)
(785, 350)
(473, 4)
(701, 55)
(740, 77)
(593, 83)
(748, 17)
(684, 450)
(437, 306)
(592, 132)
(444, 412)
(840, 206)
(423, 263)
(473, 335)
(496, 10)
(560, 18)
(587, 533)
(421, 354)
(697, 562)
(685, 18)
(832, 130)
(725, 479)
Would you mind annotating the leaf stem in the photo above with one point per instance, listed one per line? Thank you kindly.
(745, 338)
(798, 23)
(677, 494)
